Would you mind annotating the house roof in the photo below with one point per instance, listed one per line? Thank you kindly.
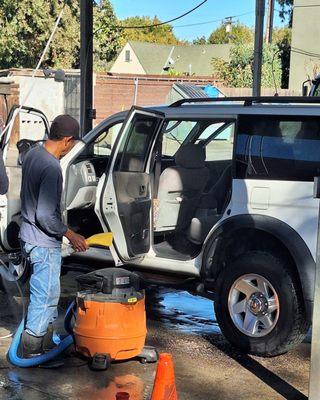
(187, 90)
(153, 57)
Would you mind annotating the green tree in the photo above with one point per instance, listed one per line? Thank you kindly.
(160, 34)
(238, 71)
(107, 35)
(286, 10)
(282, 38)
(200, 40)
(239, 33)
(25, 27)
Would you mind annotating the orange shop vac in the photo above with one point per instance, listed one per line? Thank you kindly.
(110, 318)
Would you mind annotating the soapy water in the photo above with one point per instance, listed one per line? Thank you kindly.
(181, 310)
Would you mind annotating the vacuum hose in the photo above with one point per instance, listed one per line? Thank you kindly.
(65, 342)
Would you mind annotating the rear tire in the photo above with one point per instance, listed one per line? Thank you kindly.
(259, 305)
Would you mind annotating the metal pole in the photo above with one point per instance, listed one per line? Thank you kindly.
(269, 27)
(86, 65)
(314, 383)
(258, 44)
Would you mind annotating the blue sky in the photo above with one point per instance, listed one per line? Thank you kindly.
(213, 10)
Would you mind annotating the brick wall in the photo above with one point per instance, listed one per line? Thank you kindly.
(114, 93)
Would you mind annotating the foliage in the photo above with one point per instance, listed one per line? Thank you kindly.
(282, 38)
(238, 71)
(239, 33)
(286, 10)
(26, 24)
(106, 35)
(160, 34)
(200, 40)
(25, 27)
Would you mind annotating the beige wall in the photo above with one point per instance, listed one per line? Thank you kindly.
(132, 67)
(47, 96)
(305, 36)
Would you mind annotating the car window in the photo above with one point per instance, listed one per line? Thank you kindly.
(136, 142)
(220, 147)
(104, 142)
(278, 147)
(209, 131)
(174, 135)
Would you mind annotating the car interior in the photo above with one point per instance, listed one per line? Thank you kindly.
(82, 181)
(193, 189)
(190, 183)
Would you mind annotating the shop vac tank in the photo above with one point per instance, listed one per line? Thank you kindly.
(110, 318)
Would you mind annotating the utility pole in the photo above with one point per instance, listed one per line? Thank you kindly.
(86, 66)
(258, 45)
(269, 26)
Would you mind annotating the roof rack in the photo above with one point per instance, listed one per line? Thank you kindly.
(248, 101)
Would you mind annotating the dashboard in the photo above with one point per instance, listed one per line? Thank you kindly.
(82, 185)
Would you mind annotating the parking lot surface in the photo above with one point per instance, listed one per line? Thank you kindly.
(206, 366)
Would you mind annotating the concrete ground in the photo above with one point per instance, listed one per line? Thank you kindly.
(206, 366)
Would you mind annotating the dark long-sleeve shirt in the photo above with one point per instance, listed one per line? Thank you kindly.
(40, 199)
(4, 182)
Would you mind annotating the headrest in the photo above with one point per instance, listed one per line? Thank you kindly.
(191, 156)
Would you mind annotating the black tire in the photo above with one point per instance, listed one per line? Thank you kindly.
(22, 279)
(291, 326)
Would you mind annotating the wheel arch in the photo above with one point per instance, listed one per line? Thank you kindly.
(238, 234)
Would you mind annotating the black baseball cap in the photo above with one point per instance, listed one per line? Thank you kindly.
(64, 126)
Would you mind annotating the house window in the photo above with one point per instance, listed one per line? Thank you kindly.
(127, 56)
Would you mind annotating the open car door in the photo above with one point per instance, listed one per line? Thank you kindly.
(27, 126)
(124, 193)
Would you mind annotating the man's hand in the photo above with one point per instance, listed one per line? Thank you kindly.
(78, 242)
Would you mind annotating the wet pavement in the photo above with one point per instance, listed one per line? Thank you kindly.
(206, 366)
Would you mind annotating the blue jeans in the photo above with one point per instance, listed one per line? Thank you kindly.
(44, 287)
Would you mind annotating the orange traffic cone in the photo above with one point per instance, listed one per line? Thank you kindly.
(164, 387)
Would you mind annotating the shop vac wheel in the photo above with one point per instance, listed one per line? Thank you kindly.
(148, 355)
(100, 362)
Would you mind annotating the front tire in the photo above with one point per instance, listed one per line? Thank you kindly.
(259, 305)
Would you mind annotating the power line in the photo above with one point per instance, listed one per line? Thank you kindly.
(307, 5)
(212, 21)
(304, 52)
(162, 23)
(216, 20)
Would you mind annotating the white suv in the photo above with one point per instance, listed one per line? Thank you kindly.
(215, 195)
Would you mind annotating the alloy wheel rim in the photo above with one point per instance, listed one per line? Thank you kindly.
(253, 305)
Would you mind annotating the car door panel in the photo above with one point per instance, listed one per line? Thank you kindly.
(124, 192)
(216, 169)
(134, 202)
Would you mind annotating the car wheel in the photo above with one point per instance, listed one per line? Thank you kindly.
(259, 305)
(17, 270)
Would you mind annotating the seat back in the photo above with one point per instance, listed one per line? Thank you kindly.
(180, 188)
